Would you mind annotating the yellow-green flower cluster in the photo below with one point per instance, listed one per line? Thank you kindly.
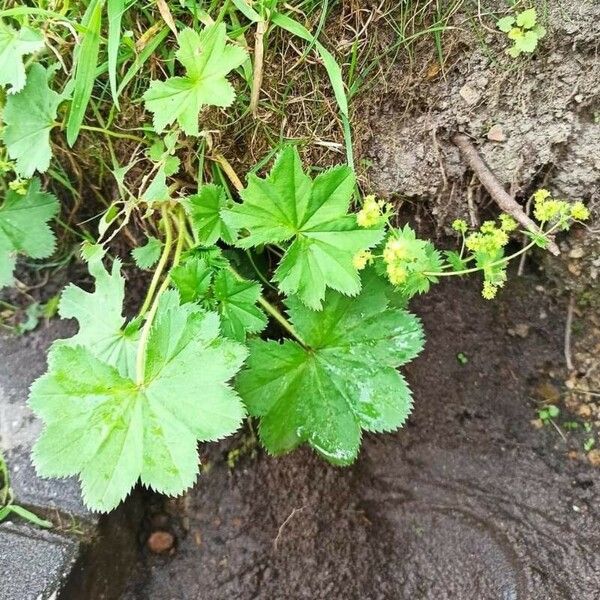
(373, 212)
(362, 259)
(396, 254)
(489, 239)
(579, 211)
(489, 290)
(549, 209)
(460, 225)
(19, 186)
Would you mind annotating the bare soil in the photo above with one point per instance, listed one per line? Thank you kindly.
(466, 502)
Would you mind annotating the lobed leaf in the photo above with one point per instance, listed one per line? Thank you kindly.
(14, 45)
(343, 381)
(24, 227)
(29, 117)
(288, 205)
(207, 58)
(111, 431)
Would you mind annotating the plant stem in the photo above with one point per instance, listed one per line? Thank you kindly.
(161, 263)
(125, 136)
(231, 174)
(140, 359)
(504, 259)
(276, 314)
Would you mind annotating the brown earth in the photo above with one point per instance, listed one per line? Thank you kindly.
(466, 502)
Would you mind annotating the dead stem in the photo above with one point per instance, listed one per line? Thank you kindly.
(259, 50)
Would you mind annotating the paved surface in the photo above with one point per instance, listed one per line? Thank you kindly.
(34, 563)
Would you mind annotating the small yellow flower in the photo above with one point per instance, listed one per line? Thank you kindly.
(474, 242)
(362, 259)
(395, 250)
(19, 186)
(489, 290)
(541, 195)
(488, 227)
(459, 225)
(579, 211)
(507, 223)
(396, 274)
(370, 214)
(500, 238)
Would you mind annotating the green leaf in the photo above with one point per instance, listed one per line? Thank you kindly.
(455, 261)
(237, 306)
(208, 58)
(287, 205)
(110, 431)
(345, 380)
(100, 318)
(204, 209)
(505, 24)
(14, 45)
(29, 116)
(192, 278)
(527, 19)
(24, 227)
(147, 256)
(157, 190)
(528, 42)
(86, 57)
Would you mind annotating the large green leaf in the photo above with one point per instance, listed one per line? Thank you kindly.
(24, 227)
(100, 318)
(344, 380)
(14, 45)
(29, 117)
(112, 431)
(208, 58)
(288, 205)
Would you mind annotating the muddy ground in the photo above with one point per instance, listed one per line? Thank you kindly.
(469, 501)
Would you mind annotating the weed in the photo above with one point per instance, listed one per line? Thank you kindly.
(269, 295)
(523, 30)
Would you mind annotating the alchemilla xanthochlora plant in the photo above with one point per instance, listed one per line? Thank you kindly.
(283, 299)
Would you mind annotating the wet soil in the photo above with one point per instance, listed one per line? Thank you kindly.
(468, 501)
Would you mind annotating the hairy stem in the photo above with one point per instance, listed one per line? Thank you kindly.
(161, 263)
(140, 360)
(500, 261)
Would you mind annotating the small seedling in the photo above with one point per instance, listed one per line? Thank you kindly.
(548, 413)
(462, 358)
(589, 443)
(523, 29)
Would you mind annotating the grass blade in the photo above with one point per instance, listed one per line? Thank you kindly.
(333, 71)
(115, 9)
(85, 69)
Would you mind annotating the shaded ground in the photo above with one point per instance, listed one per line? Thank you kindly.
(467, 502)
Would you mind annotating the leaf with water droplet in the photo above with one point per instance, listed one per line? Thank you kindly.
(343, 381)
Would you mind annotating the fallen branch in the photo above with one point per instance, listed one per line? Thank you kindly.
(506, 202)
